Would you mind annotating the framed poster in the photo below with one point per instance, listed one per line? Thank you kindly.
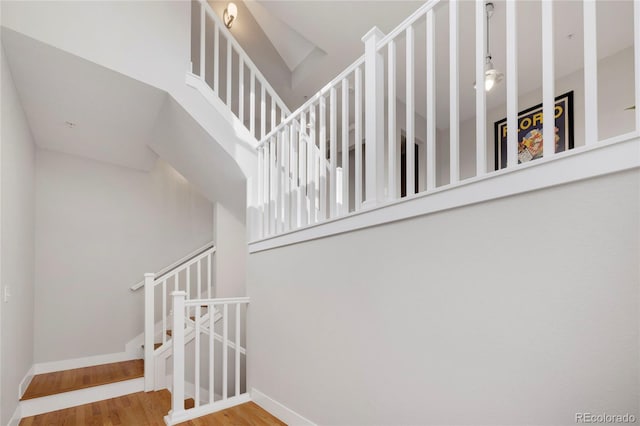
(530, 132)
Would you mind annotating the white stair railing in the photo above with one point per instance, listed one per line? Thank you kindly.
(284, 150)
(299, 160)
(231, 382)
(223, 66)
(194, 276)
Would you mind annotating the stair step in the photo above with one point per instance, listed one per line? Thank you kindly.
(155, 346)
(138, 408)
(82, 378)
(189, 403)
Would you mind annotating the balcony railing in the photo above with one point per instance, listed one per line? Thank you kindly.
(308, 175)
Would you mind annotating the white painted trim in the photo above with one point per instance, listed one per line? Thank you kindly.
(610, 156)
(45, 404)
(211, 96)
(278, 410)
(69, 364)
(177, 263)
(203, 410)
(24, 383)
(15, 419)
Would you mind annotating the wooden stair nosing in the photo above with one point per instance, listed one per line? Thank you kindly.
(58, 382)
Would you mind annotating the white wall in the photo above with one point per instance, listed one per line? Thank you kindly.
(522, 310)
(230, 261)
(99, 227)
(17, 166)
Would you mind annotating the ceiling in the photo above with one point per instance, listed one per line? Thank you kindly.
(301, 45)
(116, 119)
(109, 122)
(288, 29)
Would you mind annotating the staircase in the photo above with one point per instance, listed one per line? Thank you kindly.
(188, 315)
(62, 389)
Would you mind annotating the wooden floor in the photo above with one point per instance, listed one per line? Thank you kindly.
(81, 378)
(147, 409)
(244, 414)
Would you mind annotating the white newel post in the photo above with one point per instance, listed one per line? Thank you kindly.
(374, 119)
(149, 331)
(177, 391)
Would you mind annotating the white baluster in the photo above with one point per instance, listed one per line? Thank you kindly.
(548, 82)
(302, 160)
(225, 354)
(391, 99)
(431, 101)
(636, 48)
(333, 153)
(237, 351)
(358, 138)
(279, 184)
(209, 277)
(481, 94)
(311, 170)
(295, 204)
(410, 130)
(188, 282)
(241, 88)
(164, 312)
(273, 112)
(287, 178)
(263, 110)
(229, 77)
(252, 104)
(273, 179)
(590, 74)
(345, 147)
(212, 384)
(454, 88)
(216, 59)
(260, 203)
(199, 278)
(203, 30)
(323, 157)
(374, 118)
(512, 87)
(265, 180)
(177, 392)
(197, 355)
(149, 331)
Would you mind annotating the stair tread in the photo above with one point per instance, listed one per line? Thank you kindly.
(155, 346)
(81, 378)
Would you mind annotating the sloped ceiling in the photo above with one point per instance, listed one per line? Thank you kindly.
(292, 47)
(68, 112)
(278, 36)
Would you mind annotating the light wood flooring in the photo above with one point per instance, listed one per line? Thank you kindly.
(81, 378)
(147, 409)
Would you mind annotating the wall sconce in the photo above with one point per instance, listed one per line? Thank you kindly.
(230, 14)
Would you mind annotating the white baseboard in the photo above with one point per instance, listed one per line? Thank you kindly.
(68, 364)
(45, 404)
(283, 413)
(24, 383)
(15, 419)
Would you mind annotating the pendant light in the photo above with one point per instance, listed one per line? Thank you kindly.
(491, 75)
